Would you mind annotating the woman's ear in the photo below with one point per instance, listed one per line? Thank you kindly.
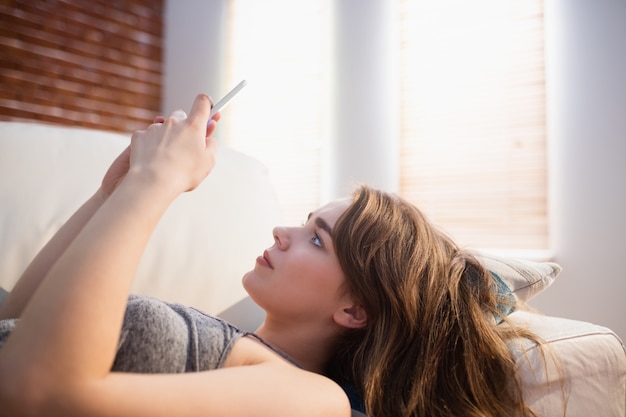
(351, 317)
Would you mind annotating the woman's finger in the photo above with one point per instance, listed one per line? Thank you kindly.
(179, 114)
(200, 110)
(210, 127)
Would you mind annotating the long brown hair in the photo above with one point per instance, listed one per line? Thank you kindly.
(431, 346)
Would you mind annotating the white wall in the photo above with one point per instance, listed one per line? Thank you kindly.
(586, 58)
(586, 79)
(195, 44)
(365, 108)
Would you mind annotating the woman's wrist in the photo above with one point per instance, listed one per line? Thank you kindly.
(100, 196)
(157, 185)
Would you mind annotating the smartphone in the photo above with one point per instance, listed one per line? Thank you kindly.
(220, 104)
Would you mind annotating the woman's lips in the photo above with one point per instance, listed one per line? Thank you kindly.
(265, 260)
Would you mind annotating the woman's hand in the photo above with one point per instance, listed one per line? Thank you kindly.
(119, 168)
(174, 155)
(37, 270)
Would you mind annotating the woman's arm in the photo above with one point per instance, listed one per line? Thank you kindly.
(269, 389)
(69, 330)
(28, 283)
(266, 386)
(32, 276)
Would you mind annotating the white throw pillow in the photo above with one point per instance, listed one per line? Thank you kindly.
(518, 280)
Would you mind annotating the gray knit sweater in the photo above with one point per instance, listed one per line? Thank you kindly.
(159, 337)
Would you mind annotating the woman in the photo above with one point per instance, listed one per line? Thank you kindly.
(72, 299)
(390, 307)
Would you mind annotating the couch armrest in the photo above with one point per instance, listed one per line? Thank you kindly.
(584, 372)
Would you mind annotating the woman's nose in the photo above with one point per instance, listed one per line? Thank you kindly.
(281, 237)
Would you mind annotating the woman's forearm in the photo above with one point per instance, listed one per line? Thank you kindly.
(71, 326)
(32, 276)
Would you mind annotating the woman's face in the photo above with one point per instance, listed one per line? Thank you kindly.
(299, 277)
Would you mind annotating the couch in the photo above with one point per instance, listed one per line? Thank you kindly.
(211, 237)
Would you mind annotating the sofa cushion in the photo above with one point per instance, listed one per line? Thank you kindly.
(199, 251)
(518, 280)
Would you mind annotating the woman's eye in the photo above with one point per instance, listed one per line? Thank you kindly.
(316, 240)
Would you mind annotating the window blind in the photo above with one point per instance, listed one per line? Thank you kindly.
(281, 48)
(472, 122)
(94, 64)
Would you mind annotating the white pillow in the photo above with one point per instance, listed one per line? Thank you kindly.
(523, 278)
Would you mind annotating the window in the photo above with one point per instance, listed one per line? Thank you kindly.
(472, 109)
(473, 134)
(281, 48)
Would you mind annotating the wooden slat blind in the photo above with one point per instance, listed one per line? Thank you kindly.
(90, 63)
(473, 134)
